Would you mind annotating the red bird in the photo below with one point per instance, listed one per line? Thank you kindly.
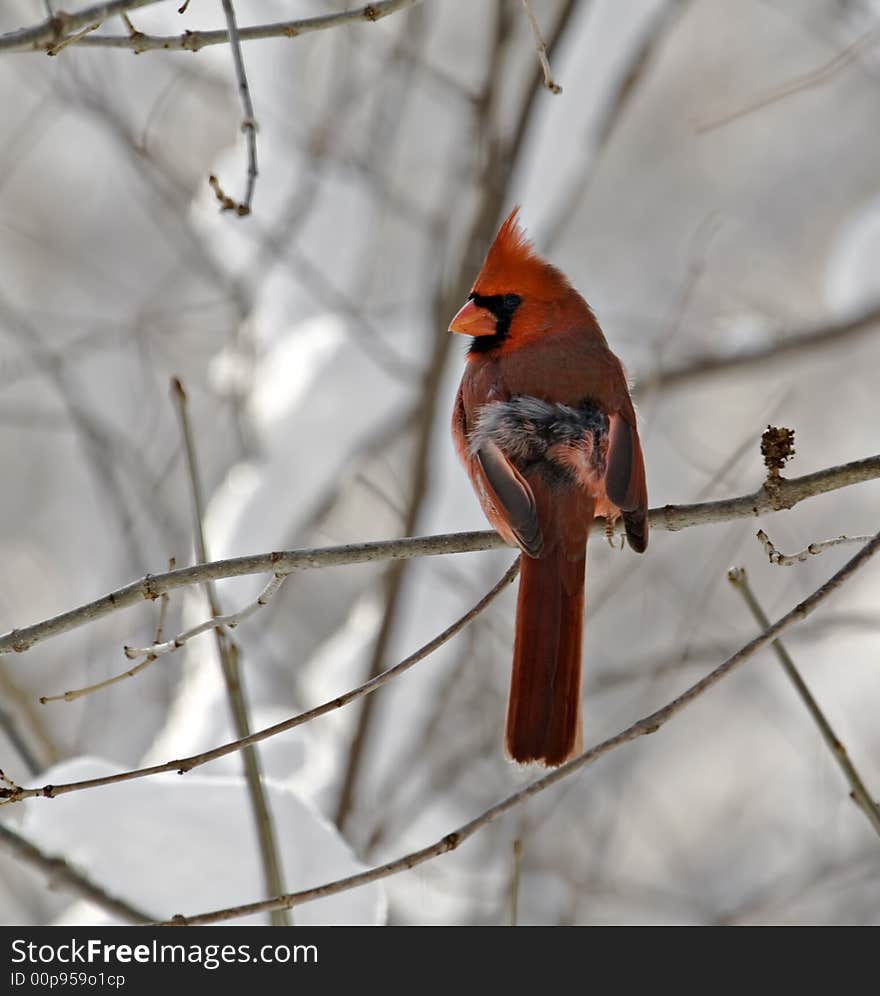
(545, 427)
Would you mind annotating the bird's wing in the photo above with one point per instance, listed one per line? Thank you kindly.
(625, 478)
(512, 497)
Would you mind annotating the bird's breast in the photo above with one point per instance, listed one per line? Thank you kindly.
(565, 445)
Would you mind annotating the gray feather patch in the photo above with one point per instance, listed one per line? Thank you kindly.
(525, 428)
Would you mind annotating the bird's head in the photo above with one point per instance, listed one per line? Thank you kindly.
(516, 296)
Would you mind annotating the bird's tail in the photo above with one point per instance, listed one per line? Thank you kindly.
(544, 708)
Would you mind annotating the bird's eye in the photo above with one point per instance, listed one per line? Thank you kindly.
(512, 301)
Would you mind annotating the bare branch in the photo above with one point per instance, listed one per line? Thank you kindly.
(162, 649)
(230, 621)
(51, 31)
(62, 875)
(249, 122)
(16, 793)
(649, 724)
(670, 518)
(788, 560)
(227, 653)
(72, 694)
(541, 50)
(739, 579)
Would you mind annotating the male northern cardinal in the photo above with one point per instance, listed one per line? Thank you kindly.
(545, 427)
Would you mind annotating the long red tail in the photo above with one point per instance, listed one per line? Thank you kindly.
(544, 709)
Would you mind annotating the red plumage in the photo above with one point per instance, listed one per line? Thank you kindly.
(545, 427)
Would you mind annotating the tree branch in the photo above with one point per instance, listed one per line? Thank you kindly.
(670, 518)
(811, 550)
(16, 793)
(227, 653)
(541, 49)
(860, 794)
(50, 32)
(249, 121)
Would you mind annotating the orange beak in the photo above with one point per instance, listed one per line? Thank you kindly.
(473, 320)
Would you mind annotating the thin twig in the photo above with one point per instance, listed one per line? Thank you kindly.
(62, 875)
(795, 343)
(738, 578)
(789, 560)
(649, 724)
(227, 652)
(249, 122)
(815, 77)
(541, 49)
(72, 694)
(230, 621)
(16, 793)
(670, 518)
(76, 693)
(43, 35)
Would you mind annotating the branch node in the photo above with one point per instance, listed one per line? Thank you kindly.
(451, 841)
(226, 202)
(191, 40)
(12, 792)
(541, 49)
(777, 448)
(133, 32)
(57, 46)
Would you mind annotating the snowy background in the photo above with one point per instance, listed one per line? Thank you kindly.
(311, 339)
